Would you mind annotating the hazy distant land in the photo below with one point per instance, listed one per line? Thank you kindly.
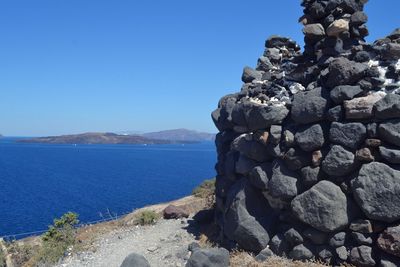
(163, 137)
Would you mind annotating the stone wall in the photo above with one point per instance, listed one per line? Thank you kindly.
(309, 149)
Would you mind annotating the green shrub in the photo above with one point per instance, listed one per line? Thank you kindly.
(147, 217)
(205, 189)
(60, 236)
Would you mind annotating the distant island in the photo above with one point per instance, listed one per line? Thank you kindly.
(181, 135)
(178, 136)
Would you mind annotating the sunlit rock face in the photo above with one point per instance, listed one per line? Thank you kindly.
(309, 148)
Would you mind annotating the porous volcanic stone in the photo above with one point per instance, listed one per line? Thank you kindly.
(174, 212)
(390, 132)
(310, 138)
(284, 182)
(135, 260)
(362, 107)
(218, 257)
(388, 107)
(377, 191)
(350, 135)
(362, 256)
(309, 106)
(343, 71)
(391, 155)
(338, 162)
(250, 74)
(344, 92)
(323, 207)
(262, 117)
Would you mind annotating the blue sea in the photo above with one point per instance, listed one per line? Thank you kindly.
(39, 182)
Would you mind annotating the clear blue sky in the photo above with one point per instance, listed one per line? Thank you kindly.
(70, 66)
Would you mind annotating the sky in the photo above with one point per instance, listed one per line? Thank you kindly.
(73, 66)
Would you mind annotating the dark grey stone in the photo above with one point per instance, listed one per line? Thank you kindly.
(301, 252)
(342, 253)
(324, 207)
(361, 226)
(310, 138)
(135, 260)
(358, 18)
(344, 92)
(284, 182)
(350, 135)
(391, 155)
(248, 217)
(211, 257)
(362, 56)
(337, 240)
(260, 175)
(338, 162)
(389, 131)
(250, 74)
(275, 134)
(293, 237)
(309, 106)
(244, 165)
(388, 107)
(377, 192)
(392, 51)
(296, 159)
(316, 237)
(262, 117)
(310, 176)
(324, 253)
(362, 256)
(345, 72)
(361, 239)
(264, 255)
(389, 261)
(335, 113)
(279, 245)
(314, 32)
(251, 149)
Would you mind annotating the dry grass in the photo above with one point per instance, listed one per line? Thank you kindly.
(244, 259)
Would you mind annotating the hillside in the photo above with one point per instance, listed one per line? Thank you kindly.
(181, 135)
(96, 138)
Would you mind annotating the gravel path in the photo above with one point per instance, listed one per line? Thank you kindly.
(163, 244)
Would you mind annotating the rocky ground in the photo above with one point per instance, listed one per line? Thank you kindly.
(163, 244)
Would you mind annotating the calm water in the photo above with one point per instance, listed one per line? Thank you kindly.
(39, 182)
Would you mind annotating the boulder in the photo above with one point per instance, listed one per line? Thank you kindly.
(392, 51)
(211, 257)
(339, 162)
(293, 237)
(324, 207)
(388, 107)
(362, 107)
(389, 240)
(310, 138)
(264, 255)
(362, 256)
(310, 176)
(314, 32)
(377, 192)
(343, 71)
(260, 176)
(250, 74)
(391, 155)
(284, 182)
(342, 253)
(135, 260)
(389, 131)
(337, 27)
(337, 240)
(358, 18)
(296, 159)
(301, 252)
(350, 135)
(262, 116)
(174, 212)
(250, 148)
(248, 217)
(309, 106)
(344, 92)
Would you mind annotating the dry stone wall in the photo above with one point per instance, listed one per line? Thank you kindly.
(309, 149)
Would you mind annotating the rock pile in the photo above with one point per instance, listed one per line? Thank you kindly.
(309, 149)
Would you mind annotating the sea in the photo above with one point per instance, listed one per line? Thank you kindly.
(39, 182)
